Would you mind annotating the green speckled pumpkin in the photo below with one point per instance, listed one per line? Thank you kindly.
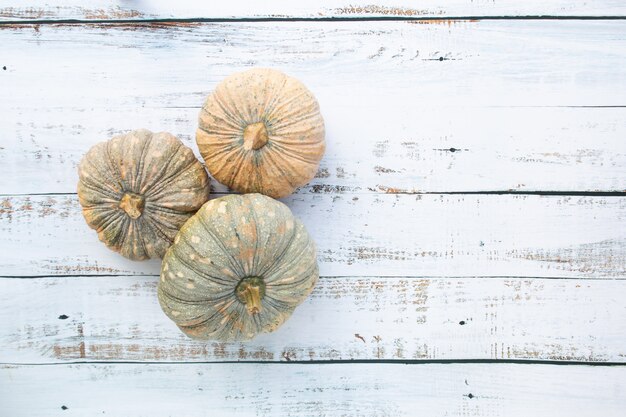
(237, 268)
(138, 189)
(261, 131)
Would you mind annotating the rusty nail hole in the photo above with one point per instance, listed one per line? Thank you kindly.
(63, 317)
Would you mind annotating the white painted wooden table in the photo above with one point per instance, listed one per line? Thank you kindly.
(470, 212)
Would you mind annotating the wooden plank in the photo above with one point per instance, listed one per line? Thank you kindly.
(466, 63)
(164, 9)
(52, 320)
(367, 235)
(447, 149)
(386, 97)
(313, 390)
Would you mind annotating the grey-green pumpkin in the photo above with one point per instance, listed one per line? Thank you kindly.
(138, 189)
(237, 268)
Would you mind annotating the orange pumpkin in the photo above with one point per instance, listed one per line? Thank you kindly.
(261, 131)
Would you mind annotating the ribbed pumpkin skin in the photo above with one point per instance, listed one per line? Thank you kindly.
(231, 238)
(153, 167)
(293, 128)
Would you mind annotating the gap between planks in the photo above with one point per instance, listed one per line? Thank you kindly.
(333, 362)
(182, 9)
(175, 21)
(383, 190)
(329, 277)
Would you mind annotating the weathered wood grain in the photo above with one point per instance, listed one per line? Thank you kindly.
(466, 63)
(411, 107)
(164, 9)
(346, 318)
(445, 149)
(313, 390)
(398, 118)
(367, 234)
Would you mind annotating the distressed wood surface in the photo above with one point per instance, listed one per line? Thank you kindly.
(313, 390)
(464, 63)
(447, 149)
(415, 111)
(465, 107)
(346, 318)
(367, 235)
(164, 9)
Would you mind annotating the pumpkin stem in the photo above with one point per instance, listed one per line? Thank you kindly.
(255, 136)
(250, 291)
(132, 204)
